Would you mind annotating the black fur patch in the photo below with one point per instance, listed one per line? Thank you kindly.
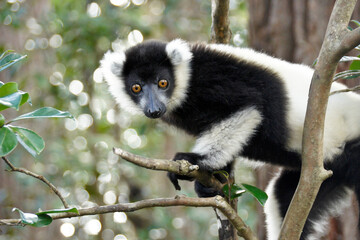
(221, 85)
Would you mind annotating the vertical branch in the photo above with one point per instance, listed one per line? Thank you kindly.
(220, 30)
(220, 33)
(338, 41)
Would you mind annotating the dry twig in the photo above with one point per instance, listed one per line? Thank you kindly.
(41, 178)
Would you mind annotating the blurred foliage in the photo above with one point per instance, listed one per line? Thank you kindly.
(64, 41)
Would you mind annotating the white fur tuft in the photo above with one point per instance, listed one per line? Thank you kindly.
(225, 140)
(180, 56)
(111, 67)
(178, 51)
(272, 211)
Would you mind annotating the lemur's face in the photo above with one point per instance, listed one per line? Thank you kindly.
(150, 88)
(142, 79)
(148, 77)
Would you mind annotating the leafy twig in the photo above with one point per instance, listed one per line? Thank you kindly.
(216, 202)
(41, 178)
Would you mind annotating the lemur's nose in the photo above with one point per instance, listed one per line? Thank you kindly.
(155, 113)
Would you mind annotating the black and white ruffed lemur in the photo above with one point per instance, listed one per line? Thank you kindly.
(241, 103)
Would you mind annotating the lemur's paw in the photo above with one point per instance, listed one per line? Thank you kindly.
(192, 158)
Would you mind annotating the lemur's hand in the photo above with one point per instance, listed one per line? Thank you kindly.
(192, 158)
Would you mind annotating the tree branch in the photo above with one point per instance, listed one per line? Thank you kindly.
(217, 202)
(337, 42)
(181, 167)
(41, 178)
(220, 30)
(221, 33)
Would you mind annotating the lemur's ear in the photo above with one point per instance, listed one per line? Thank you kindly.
(113, 62)
(178, 51)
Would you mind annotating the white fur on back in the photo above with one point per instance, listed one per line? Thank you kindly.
(272, 211)
(116, 84)
(342, 122)
(180, 56)
(225, 140)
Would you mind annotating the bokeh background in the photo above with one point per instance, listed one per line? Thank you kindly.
(64, 41)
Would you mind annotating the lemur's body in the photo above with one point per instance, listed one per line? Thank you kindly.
(238, 102)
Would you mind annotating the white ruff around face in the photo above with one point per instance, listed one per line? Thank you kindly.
(180, 56)
(113, 61)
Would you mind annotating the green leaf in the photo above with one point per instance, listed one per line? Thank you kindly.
(235, 191)
(6, 52)
(10, 60)
(43, 220)
(32, 142)
(35, 220)
(11, 97)
(259, 194)
(1, 83)
(8, 141)
(45, 112)
(69, 210)
(2, 120)
(355, 65)
(222, 172)
(356, 22)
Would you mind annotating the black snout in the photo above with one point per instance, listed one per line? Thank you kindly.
(151, 100)
(155, 109)
(155, 113)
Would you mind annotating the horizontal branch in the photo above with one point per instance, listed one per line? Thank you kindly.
(41, 178)
(181, 167)
(215, 202)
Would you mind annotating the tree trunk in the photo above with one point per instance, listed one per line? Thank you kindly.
(294, 31)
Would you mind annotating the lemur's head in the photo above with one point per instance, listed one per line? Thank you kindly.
(151, 77)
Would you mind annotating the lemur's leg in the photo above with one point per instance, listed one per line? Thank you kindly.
(332, 197)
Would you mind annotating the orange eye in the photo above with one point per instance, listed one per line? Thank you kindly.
(163, 83)
(136, 88)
